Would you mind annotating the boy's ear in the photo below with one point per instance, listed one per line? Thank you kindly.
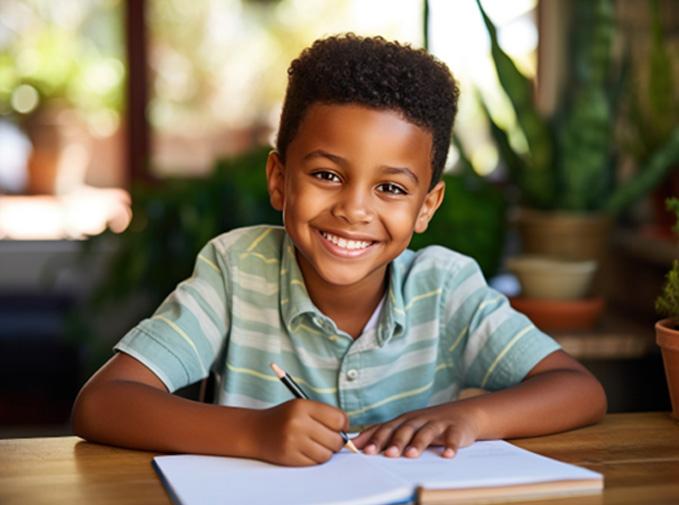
(431, 202)
(275, 177)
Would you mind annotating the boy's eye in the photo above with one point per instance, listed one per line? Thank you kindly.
(391, 188)
(326, 176)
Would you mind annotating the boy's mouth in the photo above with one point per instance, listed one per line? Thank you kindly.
(345, 246)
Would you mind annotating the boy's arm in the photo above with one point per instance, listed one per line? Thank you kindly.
(126, 404)
(558, 394)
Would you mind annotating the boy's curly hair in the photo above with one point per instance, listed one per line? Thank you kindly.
(376, 73)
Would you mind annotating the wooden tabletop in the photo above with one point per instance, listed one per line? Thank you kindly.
(637, 453)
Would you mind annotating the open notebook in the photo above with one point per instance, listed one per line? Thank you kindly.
(486, 471)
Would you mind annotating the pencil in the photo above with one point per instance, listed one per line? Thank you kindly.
(298, 392)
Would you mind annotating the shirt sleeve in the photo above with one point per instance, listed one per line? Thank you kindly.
(183, 337)
(495, 345)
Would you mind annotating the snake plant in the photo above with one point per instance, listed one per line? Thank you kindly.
(570, 163)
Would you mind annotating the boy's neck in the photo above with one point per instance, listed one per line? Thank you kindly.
(350, 307)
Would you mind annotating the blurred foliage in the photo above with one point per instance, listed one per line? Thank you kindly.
(172, 221)
(72, 53)
(667, 303)
(471, 219)
(653, 100)
(572, 160)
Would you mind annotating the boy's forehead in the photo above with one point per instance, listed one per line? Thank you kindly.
(360, 130)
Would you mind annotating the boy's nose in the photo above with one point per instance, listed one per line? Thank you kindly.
(353, 206)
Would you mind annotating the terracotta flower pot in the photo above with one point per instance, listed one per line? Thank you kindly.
(561, 315)
(667, 337)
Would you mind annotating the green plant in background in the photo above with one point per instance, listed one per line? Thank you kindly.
(471, 219)
(667, 303)
(171, 222)
(73, 59)
(570, 162)
(653, 104)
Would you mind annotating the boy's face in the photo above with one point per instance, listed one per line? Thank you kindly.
(353, 190)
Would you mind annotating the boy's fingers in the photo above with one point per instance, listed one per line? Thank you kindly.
(328, 438)
(448, 452)
(380, 437)
(362, 438)
(399, 438)
(317, 453)
(334, 418)
(452, 441)
(422, 439)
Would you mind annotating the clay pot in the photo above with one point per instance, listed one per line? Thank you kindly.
(563, 234)
(54, 129)
(667, 337)
(561, 315)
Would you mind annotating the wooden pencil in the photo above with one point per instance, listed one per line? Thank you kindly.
(298, 392)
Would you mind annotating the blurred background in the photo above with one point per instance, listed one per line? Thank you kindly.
(131, 132)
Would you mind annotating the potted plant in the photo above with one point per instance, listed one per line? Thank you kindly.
(667, 330)
(652, 110)
(569, 190)
(58, 78)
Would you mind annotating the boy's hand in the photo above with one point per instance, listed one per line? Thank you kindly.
(450, 426)
(298, 433)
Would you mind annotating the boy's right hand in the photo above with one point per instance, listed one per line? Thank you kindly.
(298, 433)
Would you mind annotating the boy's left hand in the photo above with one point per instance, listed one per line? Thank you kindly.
(450, 426)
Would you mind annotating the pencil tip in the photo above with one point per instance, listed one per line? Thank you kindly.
(352, 447)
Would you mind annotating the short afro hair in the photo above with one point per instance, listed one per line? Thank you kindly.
(376, 73)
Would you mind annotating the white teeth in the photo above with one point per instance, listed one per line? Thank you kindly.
(344, 243)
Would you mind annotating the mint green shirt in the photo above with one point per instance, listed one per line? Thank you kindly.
(440, 329)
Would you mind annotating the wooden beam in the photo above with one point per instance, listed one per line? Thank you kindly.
(137, 133)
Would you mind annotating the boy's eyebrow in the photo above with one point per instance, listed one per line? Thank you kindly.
(320, 153)
(401, 170)
(341, 161)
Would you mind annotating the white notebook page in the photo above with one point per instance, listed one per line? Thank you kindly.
(346, 478)
(355, 478)
(487, 463)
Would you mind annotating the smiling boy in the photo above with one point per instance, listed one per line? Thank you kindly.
(380, 337)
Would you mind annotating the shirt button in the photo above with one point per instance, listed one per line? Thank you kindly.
(352, 374)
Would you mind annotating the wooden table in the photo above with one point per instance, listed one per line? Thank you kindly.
(637, 453)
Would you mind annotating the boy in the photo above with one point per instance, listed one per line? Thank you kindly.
(381, 338)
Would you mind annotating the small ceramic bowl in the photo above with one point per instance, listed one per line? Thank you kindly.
(552, 278)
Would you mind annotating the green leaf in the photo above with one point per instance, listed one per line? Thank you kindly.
(519, 89)
(536, 182)
(664, 161)
(667, 303)
(661, 86)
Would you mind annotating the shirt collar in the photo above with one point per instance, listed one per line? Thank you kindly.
(392, 319)
(294, 297)
(295, 300)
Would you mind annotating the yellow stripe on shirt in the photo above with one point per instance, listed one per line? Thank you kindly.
(504, 351)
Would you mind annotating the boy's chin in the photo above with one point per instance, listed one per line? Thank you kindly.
(341, 277)
(342, 280)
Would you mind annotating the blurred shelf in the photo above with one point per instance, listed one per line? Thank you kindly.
(646, 245)
(616, 337)
(83, 212)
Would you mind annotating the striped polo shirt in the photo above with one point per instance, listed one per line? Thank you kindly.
(440, 329)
